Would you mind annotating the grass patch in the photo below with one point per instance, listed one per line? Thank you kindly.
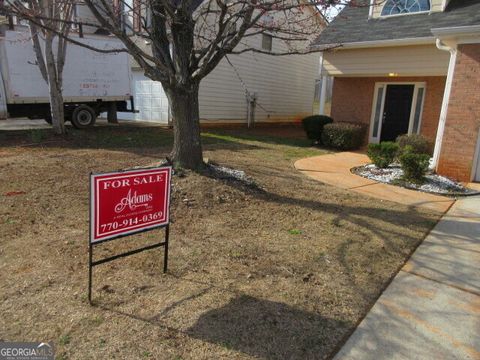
(267, 274)
(295, 232)
(64, 339)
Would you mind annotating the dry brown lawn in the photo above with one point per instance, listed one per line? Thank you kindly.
(282, 274)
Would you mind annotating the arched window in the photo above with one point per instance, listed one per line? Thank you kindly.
(395, 7)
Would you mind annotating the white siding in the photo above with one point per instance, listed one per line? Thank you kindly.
(424, 60)
(284, 86)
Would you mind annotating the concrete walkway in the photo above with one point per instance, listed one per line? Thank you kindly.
(431, 310)
(334, 169)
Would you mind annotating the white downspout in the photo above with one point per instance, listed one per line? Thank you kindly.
(446, 99)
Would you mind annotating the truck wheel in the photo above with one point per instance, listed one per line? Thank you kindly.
(48, 119)
(83, 117)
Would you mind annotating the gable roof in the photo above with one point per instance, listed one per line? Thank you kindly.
(352, 25)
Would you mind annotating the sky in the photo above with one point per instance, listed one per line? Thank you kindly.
(332, 11)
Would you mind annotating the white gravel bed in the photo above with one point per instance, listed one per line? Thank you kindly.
(393, 175)
(224, 172)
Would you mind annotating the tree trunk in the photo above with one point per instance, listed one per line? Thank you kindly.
(187, 145)
(56, 107)
(55, 88)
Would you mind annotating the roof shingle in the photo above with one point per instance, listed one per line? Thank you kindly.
(352, 24)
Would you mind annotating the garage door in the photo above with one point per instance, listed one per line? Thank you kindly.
(150, 100)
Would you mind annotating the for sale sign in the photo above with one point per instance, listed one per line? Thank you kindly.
(127, 202)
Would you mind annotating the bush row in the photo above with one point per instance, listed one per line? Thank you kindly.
(412, 151)
(343, 135)
(313, 126)
(321, 129)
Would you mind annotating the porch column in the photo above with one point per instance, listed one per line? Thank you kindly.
(323, 95)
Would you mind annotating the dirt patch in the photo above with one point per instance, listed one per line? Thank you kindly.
(282, 273)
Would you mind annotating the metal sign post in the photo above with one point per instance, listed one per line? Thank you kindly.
(125, 203)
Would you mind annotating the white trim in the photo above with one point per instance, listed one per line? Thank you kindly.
(445, 4)
(404, 14)
(376, 139)
(320, 65)
(417, 85)
(378, 43)
(323, 96)
(421, 108)
(446, 99)
(412, 110)
(456, 30)
(370, 10)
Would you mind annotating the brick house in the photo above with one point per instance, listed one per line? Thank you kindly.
(410, 66)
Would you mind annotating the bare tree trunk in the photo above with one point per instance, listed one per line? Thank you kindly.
(56, 108)
(55, 88)
(187, 145)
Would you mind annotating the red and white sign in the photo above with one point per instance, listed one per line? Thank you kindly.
(127, 202)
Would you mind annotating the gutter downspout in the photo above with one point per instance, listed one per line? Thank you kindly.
(446, 99)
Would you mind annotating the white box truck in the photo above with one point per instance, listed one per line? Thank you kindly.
(93, 82)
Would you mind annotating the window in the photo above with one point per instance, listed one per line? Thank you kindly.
(396, 7)
(267, 42)
(378, 112)
(418, 111)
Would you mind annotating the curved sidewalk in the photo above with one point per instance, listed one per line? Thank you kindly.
(334, 169)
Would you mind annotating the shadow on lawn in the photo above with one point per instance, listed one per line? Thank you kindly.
(266, 329)
(281, 135)
(133, 139)
(257, 327)
(393, 237)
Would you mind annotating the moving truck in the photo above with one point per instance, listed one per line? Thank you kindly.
(93, 82)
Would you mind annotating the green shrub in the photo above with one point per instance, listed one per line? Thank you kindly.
(343, 135)
(313, 126)
(382, 154)
(414, 165)
(419, 144)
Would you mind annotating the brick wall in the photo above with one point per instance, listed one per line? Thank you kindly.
(353, 97)
(463, 116)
